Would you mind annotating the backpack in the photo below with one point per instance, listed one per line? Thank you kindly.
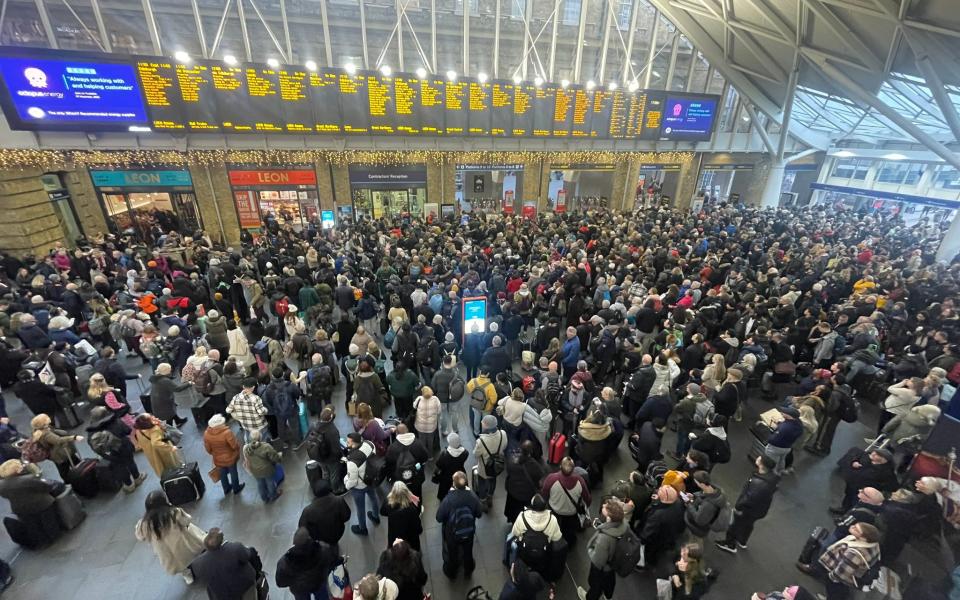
(703, 414)
(317, 448)
(34, 452)
(389, 337)
(534, 544)
(626, 553)
(528, 384)
(655, 472)
(478, 397)
(494, 463)
(189, 373)
(407, 468)
(457, 389)
(116, 331)
(98, 325)
(425, 350)
(203, 381)
(321, 380)
(839, 343)
(462, 524)
(262, 351)
(127, 330)
(865, 581)
(721, 522)
(105, 443)
(849, 409)
(375, 471)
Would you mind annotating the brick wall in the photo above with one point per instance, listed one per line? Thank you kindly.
(28, 224)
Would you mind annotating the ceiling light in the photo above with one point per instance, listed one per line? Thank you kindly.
(894, 156)
(612, 85)
(350, 68)
(843, 154)
(517, 79)
(634, 86)
(451, 75)
(482, 77)
(386, 70)
(230, 59)
(564, 83)
(656, 74)
(181, 56)
(591, 84)
(273, 63)
(310, 65)
(422, 73)
(746, 118)
(538, 81)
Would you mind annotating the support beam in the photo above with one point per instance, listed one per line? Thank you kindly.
(243, 30)
(102, 28)
(605, 46)
(151, 27)
(327, 42)
(674, 47)
(858, 93)
(651, 50)
(578, 62)
(628, 60)
(401, 8)
(843, 31)
(496, 37)
(788, 111)
(553, 40)
(47, 27)
(223, 23)
(286, 30)
(755, 121)
(273, 38)
(466, 37)
(940, 95)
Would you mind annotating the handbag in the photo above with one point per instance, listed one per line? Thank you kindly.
(214, 474)
(582, 514)
(172, 434)
(664, 589)
(352, 407)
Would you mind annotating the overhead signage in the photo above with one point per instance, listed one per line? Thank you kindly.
(141, 178)
(384, 176)
(582, 167)
(478, 167)
(729, 167)
(273, 177)
(659, 167)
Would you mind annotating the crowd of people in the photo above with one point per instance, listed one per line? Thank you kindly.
(602, 330)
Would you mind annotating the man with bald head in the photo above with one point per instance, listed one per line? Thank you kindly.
(637, 389)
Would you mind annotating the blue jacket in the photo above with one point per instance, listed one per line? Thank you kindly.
(280, 398)
(570, 353)
(786, 433)
(64, 335)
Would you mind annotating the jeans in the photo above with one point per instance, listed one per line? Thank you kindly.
(267, 487)
(779, 455)
(230, 479)
(683, 440)
(360, 504)
(475, 417)
(319, 594)
(450, 417)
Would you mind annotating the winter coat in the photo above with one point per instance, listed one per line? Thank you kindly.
(59, 444)
(280, 398)
(601, 546)
(665, 375)
(593, 441)
(703, 512)
(161, 454)
(221, 444)
(823, 350)
(428, 413)
(325, 518)
(162, 391)
(227, 572)
(496, 442)
(524, 475)
(368, 388)
(403, 384)
(901, 399)
(27, 493)
(539, 520)
(239, 348)
(757, 495)
(449, 462)
(304, 569)
(260, 458)
(403, 523)
(177, 546)
(911, 429)
(662, 528)
(512, 410)
(217, 332)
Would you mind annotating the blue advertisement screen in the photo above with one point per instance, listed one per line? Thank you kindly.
(327, 220)
(474, 315)
(50, 93)
(688, 119)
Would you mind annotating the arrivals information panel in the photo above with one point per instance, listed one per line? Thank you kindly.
(56, 90)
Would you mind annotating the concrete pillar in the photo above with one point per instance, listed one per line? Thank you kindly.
(687, 184)
(211, 185)
(324, 185)
(85, 201)
(950, 246)
(341, 185)
(770, 196)
(28, 224)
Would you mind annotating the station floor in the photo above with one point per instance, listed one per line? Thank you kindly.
(102, 558)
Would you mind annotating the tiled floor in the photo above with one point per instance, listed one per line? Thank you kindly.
(102, 559)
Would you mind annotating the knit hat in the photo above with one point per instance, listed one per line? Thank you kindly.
(216, 421)
(60, 322)
(354, 349)
(448, 337)
(488, 423)
(453, 440)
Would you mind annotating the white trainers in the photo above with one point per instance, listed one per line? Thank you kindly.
(581, 593)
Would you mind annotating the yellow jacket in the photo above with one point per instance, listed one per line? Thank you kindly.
(484, 383)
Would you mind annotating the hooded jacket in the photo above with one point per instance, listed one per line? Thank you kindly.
(222, 445)
(261, 459)
(601, 546)
(911, 428)
(217, 332)
(162, 390)
(704, 511)
(664, 377)
(325, 518)
(304, 568)
(538, 520)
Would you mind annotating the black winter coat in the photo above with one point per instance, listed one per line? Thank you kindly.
(757, 495)
(304, 569)
(325, 518)
(662, 528)
(403, 523)
(524, 475)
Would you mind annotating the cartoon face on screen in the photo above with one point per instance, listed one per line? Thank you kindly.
(35, 77)
(677, 109)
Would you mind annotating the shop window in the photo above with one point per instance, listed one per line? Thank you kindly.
(847, 168)
(518, 8)
(900, 173)
(571, 12)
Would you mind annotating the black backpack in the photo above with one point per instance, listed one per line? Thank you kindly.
(534, 544)
(425, 351)
(849, 408)
(407, 469)
(317, 448)
(626, 553)
(462, 524)
(321, 381)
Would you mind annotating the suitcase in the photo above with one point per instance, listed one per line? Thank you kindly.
(558, 448)
(83, 478)
(811, 548)
(146, 403)
(107, 478)
(83, 376)
(314, 473)
(70, 509)
(758, 441)
(304, 420)
(766, 385)
(183, 484)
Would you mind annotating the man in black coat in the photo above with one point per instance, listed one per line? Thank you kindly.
(325, 518)
(112, 370)
(407, 450)
(637, 388)
(496, 358)
(305, 566)
(874, 469)
(659, 406)
(645, 445)
(229, 570)
(39, 397)
(752, 505)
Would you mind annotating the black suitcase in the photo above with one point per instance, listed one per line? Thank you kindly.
(758, 440)
(314, 473)
(145, 401)
(183, 484)
(70, 509)
(107, 478)
(83, 478)
(811, 548)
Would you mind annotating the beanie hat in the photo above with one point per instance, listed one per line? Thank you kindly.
(453, 440)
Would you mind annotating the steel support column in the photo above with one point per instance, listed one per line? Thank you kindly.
(651, 50)
(286, 29)
(152, 27)
(102, 28)
(580, 34)
(47, 27)
(496, 38)
(553, 39)
(674, 47)
(327, 43)
(628, 72)
(363, 35)
(605, 46)
(400, 8)
(788, 111)
(764, 137)
(939, 92)
(243, 30)
(466, 37)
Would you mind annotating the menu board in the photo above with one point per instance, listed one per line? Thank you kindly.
(71, 90)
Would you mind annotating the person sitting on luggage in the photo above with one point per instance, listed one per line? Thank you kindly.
(28, 493)
(58, 444)
(536, 529)
(110, 438)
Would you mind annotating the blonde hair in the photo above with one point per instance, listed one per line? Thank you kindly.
(364, 413)
(200, 351)
(39, 424)
(400, 495)
(11, 467)
(426, 391)
(719, 367)
(98, 386)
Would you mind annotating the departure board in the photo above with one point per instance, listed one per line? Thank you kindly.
(208, 95)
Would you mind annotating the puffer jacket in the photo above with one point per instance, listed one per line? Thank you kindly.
(911, 428)
(593, 441)
(222, 445)
(665, 374)
(217, 332)
(428, 412)
(260, 459)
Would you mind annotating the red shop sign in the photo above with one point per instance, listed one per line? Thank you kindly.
(273, 177)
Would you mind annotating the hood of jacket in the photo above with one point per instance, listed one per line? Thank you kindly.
(595, 432)
(717, 432)
(220, 433)
(407, 438)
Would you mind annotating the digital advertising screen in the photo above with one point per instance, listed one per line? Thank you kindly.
(327, 220)
(688, 119)
(53, 93)
(474, 315)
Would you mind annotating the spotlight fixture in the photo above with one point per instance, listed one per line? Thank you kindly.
(612, 85)
(422, 73)
(482, 77)
(451, 75)
(386, 71)
(894, 156)
(564, 83)
(273, 63)
(310, 65)
(538, 81)
(230, 60)
(591, 84)
(634, 86)
(517, 79)
(843, 154)
(181, 56)
(350, 68)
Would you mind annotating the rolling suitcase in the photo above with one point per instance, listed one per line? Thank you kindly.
(106, 478)
(83, 478)
(558, 448)
(304, 420)
(183, 484)
(811, 548)
(146, 403)
(69, 509)
(314, 473)
(758, 441)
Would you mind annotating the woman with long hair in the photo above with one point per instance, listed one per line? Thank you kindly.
(175, 539)
(714, 374)
(402, 510)
(58, 443)
(151, 437)
(690, 580)
(102, 393)
(404, 566)
(370, 428)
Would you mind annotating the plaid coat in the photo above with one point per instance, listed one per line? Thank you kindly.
(849, 559)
